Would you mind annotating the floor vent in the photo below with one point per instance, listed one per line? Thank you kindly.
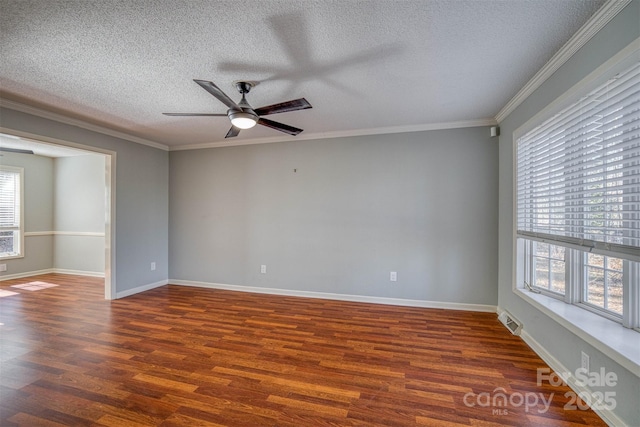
(510, 322)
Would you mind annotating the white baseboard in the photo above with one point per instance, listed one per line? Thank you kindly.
(26, 274)
(607, 415)
(49, 271)
(141, 288)
(79, 272)
(340, 297)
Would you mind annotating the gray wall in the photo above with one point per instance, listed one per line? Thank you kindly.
(422, 204)
(38, 212)
(562, 344)
(141, 197)
(79, 189)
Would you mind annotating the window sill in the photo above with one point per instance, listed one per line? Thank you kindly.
(8, 257)
(612, 339)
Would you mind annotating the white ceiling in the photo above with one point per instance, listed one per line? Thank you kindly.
(365, 65)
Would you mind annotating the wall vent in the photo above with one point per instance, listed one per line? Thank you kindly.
(510, 322)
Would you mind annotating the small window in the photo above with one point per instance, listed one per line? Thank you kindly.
(548, 267)
(11, 212)
(604, 283)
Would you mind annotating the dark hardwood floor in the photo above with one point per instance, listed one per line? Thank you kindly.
(179, 356)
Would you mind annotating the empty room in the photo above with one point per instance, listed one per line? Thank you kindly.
(320, 213)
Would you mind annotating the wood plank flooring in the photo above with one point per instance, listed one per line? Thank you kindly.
(179, 356)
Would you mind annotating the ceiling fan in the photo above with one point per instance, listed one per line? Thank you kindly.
(242, 115)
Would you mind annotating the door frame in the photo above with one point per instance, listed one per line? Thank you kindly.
(110, 201)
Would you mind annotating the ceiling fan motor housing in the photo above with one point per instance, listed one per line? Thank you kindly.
(244, 86)
(246, 118)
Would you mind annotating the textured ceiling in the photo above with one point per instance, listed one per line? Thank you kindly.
(365, 66)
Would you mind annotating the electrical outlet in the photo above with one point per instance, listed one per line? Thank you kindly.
(393, 276)
(584, 362)
(153, 266)
(263, 269)
(3, 267)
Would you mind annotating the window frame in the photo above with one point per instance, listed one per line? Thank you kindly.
(584, 286)
(21, 200)
(531, 274)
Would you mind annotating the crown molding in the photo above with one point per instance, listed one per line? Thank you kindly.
(342, 134)
(601, 18)
(23, 108)
(13, 105)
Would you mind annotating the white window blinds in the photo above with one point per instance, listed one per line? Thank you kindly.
(10, 210)
(9, 199)
(578, 173)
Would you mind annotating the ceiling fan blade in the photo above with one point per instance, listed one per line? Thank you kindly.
(279, 126)
(234, 131)
(283, 107)
(195, 114)
(218, 93)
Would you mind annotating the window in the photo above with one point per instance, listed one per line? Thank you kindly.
(603, 282)
(594, 282)
(11, 212)
(578, 201)
(548, 267)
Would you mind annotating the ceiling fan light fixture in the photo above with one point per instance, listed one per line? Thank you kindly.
(243, 120)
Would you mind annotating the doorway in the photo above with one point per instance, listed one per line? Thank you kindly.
(86, 228)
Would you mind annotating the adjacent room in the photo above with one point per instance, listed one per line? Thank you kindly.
(301, 213)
